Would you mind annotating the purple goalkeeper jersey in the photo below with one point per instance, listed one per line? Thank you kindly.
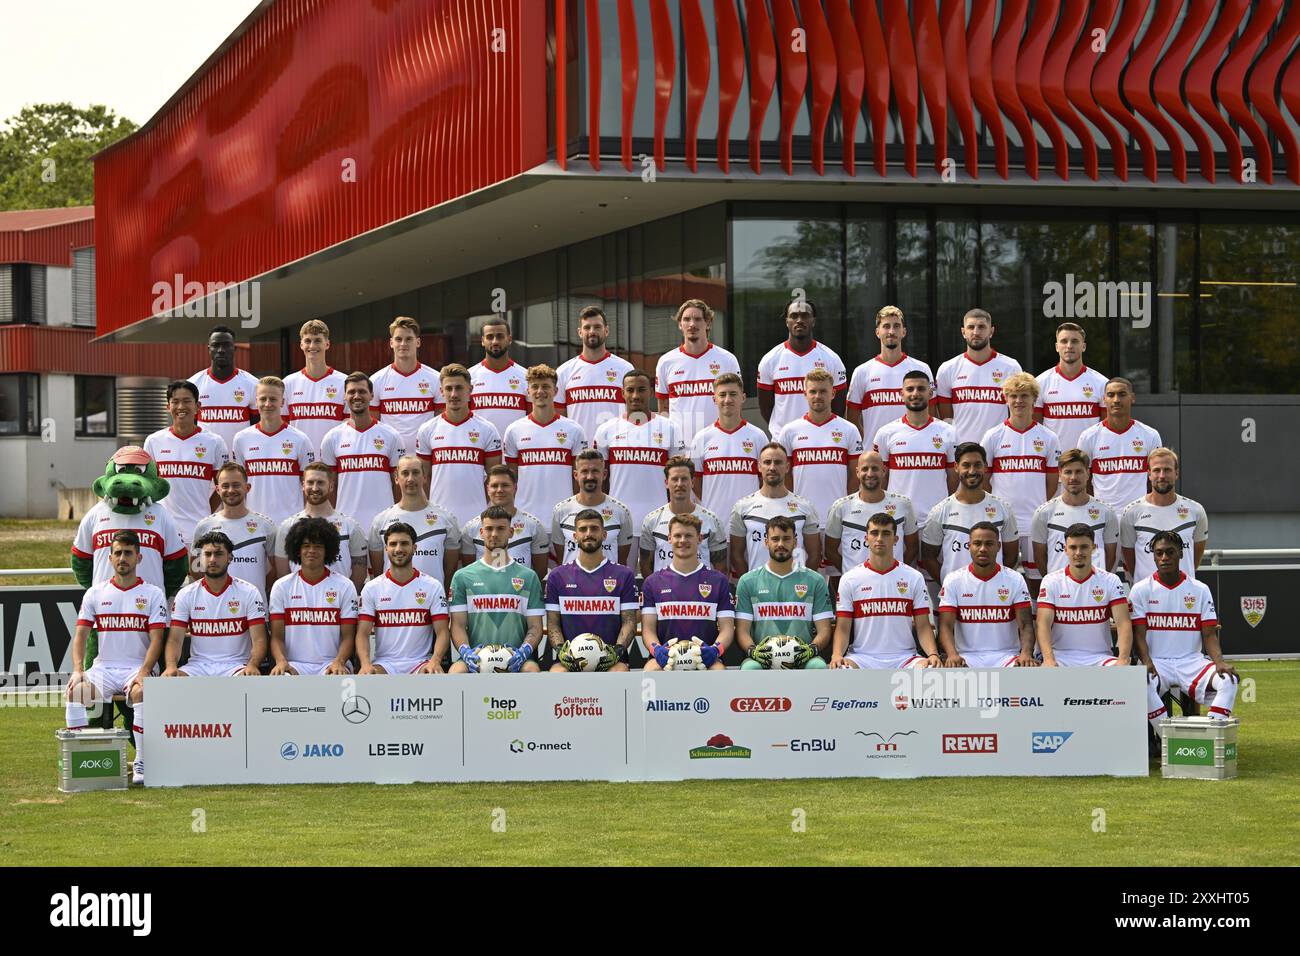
(687, 605)
(591, 602)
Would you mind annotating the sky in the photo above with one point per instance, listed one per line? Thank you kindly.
(130, 55)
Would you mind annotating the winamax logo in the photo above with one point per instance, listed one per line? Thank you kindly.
(1049, 741)
(196, 731)
(700, 705)
(847, 703)
(502, 708)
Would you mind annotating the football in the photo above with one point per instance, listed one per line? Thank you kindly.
(685, 656)
(494, 658)
(587, 651)
(784, 648)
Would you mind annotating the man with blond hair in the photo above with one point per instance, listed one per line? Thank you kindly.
(313, 397)
(273, 454)
(684, 377)
(1162, 509)
(876, 388)
(541, 446)
(407, 392)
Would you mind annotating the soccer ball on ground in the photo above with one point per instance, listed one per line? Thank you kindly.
(587, 651)
(685, 655)
(494, 659)
(783, 649)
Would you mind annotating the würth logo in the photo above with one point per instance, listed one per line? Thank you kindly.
(970, 743)
(196, 730)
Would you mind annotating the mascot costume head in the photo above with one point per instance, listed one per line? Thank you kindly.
(130, 481)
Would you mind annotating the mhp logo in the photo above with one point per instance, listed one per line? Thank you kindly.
(1049, 741)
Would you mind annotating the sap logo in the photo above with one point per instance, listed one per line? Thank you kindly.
(291, 751)
(760, 705)
(502, 709)
(396, 750)
(1044, 742)
(821, 703)
(970, 743)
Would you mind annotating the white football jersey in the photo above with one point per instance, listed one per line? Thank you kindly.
(437, 534)
(1053, 518)
(1119, 461)
(542, 456)
(456, 455)
(274, 462)
(364, 460)
(1069, 405)
(591, 393)
(226, 408)
(655, 541)
(985, 608)
(189, 465)
(975, 392)
(918, 460)
(1081, 609)
(749, 518)
(882, 606)
(314, 405)
(782, 370)
(218, 621)
(313, 613)
(499, 397)
(635, 456)
(352, 541)
(820, 457)
(727, 464)
(877, 389)
(948, 527)
(254, 539)
(685, 382)
(618, 528)
(847, 524)
(124, 619)
(1019, 463)
(528, 538)
(403, 615)
(406, 400)
(160, 540)
(1141, 521)
(1173, 616)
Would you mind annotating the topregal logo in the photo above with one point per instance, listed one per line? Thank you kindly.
(760, 705)
(720, 745)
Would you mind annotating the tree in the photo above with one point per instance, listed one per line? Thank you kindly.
(45, 154)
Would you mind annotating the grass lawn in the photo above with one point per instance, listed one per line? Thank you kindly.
(28, 543)
(1254, 820)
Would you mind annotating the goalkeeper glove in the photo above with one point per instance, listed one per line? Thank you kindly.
(661, 654)
(709, 654)
(761, 654)
(565, 658)
(521, 654)
(470, 657)
(610, 657)
(805, 653)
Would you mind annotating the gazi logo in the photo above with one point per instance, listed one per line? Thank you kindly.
(1049, 742)
(502, 708)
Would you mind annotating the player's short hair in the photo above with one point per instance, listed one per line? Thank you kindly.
(976, 314)
(689, 520)
(312, 531)
(539, 373)
(679, 461)
(271, 381)
(230, 466)
(820, 375)
(693, 303)
(729, 378)
(970, 448)
(399, 527)
(587, 514)
(889, 312)
(214, 537)
(492, 320)
(592, 310)
(984, 526)
(774, 444)
(1079, 530)
(1169, 537)
(1070, 327)
(359, 377)
(314, 327)
(801, 301)
(587, 454)
(404, 322)
(410, 456)
(1020, 382)
(916, 373)
(1123, 381)
(1072, 456)
(497, 471)
(455, 370)
(883, 519)
(1163, 452)
(496, 513)
(637, 373)
(222, 330)
(318, 466)
(127, 537)
(780, 523)
(180, 385)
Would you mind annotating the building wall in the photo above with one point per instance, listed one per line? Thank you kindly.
(58, 295)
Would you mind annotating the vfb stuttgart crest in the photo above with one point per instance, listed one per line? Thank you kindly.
(421, 597)
(1094, 513)
(239, 396)
(331, 597)
(1252, 609)
(714, 369)
(1137, 446)
(938, 442)
(423, 387)
(515, 383)
(792, 506)
(1098, 595)
(517, 527)
(1189, 601)
(141, 603)
(149, 519)
(997, 376)
(837, 437)
(199, 452)
(561, 437)
(1004, 595)
(430, 519)
(902, 587)
(800, 591)
(473, 437)
(1182, 511)
(251, 525)
(610, 375)
(379, 444)
(890, 509)
(1087, 391)
(610, 584)
(1039, 445)
(331, 391)
(747, 447)
(286, 447)
(706, 590)
(991, 511)
(517, 583)
(233, 606)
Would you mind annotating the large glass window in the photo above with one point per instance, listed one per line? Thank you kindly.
(19, 405)
(96, 402)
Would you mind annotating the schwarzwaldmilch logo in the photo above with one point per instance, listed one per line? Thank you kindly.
(720, 745)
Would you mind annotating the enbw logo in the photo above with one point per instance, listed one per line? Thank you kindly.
(1049, 742)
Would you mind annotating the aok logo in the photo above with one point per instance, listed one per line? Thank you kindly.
(760, 705)
(502, 708)
(970, 743)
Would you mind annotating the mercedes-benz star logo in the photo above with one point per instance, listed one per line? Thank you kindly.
(356, 710)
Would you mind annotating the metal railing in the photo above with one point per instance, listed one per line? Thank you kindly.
(23, 572)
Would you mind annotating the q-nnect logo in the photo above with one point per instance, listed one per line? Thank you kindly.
(1049, 741)
(356, 709)
(518, 746)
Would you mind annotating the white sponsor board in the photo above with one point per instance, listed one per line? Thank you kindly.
(636, 726)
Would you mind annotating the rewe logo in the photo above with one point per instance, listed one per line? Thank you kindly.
(1049, 742)
(1084, 299)
(970, 743)
(76, 909)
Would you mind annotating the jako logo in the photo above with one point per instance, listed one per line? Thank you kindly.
(1049, 742)
(75, 909)
(970, 743)
(291, 751)
(196, 730)
(760, 705)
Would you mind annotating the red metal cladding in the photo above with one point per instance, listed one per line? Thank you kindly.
(794, 75)
(1263, 83)
(762, 75)
(933, 74)
(731, 73)
(952, 16)
(1006, 47)
(1105, 80)
(1198, 83)
(629, 56)
(1029, 72)
(979, 48)
(1056, 62)
(561, 84)
(848, 55)
(902, 72)
(876, 61)
(1078, 81)
(593, 85)
(1228, 84)
(661, 26)
(1137, 84)
(1167, 82)
(68, 350)
(695, 42)
(26, 239)
(823, 67)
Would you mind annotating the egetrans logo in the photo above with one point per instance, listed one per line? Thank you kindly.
(970, 743)
(837, 703)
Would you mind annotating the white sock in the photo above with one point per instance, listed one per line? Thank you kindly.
(1155, 706)
(1225, 695)
(75, 715)
(137, 725)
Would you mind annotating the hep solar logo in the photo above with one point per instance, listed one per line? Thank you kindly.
(1049, 742)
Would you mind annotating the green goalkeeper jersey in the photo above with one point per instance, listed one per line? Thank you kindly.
(783, 605)
(497, 602)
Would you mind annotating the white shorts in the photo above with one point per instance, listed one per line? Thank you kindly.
(889, 662)
(1031, 569)
(1192, 673)
(395, 665)
(210, 667)
(990, 658)
(110, 679)
(1084, 659)
(311, 668)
